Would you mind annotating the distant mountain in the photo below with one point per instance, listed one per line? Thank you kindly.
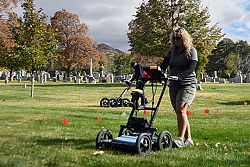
(108, 49)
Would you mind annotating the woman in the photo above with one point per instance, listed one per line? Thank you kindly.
(182, 60)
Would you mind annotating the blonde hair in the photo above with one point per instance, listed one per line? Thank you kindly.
(186, 39)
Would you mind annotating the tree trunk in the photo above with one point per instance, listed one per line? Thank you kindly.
(11, 75)
(68, 72)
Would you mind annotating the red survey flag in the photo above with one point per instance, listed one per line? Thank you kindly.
(189, 113)
(146, 112)
(245, 103)
(206, 110)
(65, 121)
(99, 119)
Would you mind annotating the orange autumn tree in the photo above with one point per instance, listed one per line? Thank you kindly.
(5, 13)
(9, 60)
(76, 48)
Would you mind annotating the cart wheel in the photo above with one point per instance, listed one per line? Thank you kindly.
(165, 141)
(104, 102)
(113, 102)
(125, 102)
(143, 144)
(104, 136)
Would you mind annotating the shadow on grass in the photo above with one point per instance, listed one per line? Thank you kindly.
(236, 102)
(81, 144)
(78, 143)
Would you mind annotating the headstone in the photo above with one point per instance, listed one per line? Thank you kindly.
(91, 79)
(208, 78)
(54, 79)
(112, 78)
(103, 79)
(18, 75)
(78, 80)
(90, 70)
(45, 76)
(231, 80)
(48, 76)
(202, 77)
(222, 80)
(40, 77)
(96, 75)
(118, 78)
(248, 78)
(102, 71)
(60, 77)
(1, 75)
(215, 74)
(238, 78)
(215, 78)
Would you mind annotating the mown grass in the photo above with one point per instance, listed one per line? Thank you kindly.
(32, 132)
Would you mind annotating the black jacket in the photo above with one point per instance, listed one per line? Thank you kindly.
(138, 73)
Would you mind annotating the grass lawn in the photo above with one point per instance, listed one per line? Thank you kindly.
(32, 132)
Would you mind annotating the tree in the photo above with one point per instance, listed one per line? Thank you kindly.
(36, 43)
(5, 35)
(75, 46)
(121, 64)
(9, 60)
(149, 31)
(222, 58)
(243, 56)
(229, 58)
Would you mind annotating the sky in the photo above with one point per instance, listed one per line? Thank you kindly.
(108, 19)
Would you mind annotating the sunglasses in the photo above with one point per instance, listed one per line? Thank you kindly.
(177, 38)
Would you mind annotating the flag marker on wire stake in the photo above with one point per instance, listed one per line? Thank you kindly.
(206, 110)
(245, 103)
(65, 121)
(189, 113)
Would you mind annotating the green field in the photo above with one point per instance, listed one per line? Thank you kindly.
(32, 132)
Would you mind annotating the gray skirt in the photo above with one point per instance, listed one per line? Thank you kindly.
(181, 94)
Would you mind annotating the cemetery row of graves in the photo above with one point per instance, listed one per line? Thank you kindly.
(95, 77)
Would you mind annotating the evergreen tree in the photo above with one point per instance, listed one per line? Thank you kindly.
(243, 56)
(221, 58)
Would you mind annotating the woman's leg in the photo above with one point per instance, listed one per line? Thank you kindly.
(182, 121)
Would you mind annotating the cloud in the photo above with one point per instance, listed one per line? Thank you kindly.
(108, 19)
(232, 16)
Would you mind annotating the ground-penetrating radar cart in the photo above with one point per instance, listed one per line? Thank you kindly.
(119, 101)
(139, 134)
